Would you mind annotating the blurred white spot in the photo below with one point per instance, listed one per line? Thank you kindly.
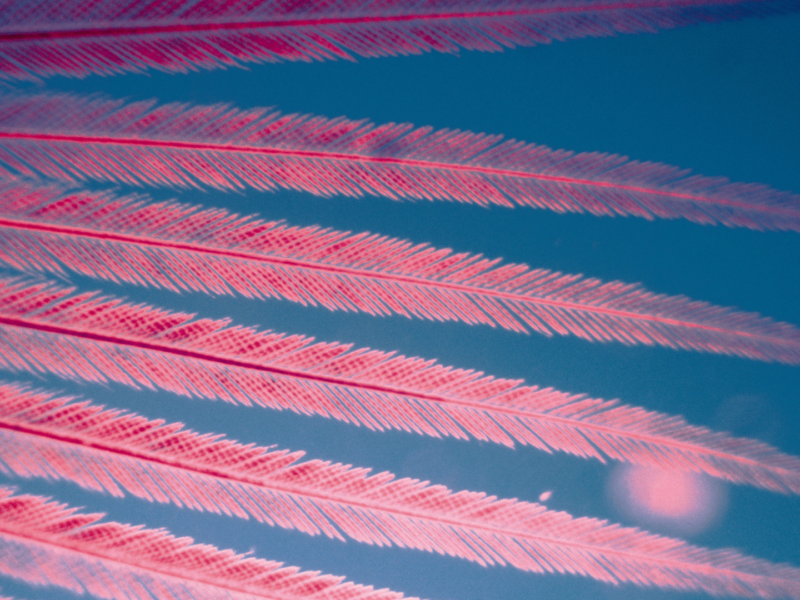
(545, 496)
(674, 501)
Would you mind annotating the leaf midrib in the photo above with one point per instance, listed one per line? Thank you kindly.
(28, 324)
(59, 31)
(383, 160)
(545, 540)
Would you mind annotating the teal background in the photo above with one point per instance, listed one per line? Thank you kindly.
(721, 99)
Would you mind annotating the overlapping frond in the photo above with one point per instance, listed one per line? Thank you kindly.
(183, 247)
(45, 329)
(44, 543)
(78, 138)
(112, 451)
(81, 37)
(48, 329)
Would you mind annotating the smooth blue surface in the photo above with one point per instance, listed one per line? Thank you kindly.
(720, 99)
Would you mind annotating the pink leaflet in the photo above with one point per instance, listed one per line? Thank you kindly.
(180, 247)
(45, 543)
(79, 37)
(74, 139)
(68, 547)
(85, 337)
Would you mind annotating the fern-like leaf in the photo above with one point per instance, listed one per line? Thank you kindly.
(108, 450)
(84, 337)
(182, 247)
(44, 543)
(80, 37)
(74, 139)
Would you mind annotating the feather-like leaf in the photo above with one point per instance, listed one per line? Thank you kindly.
(45, 543)
(80, 37)
(183, 247)
(108, 450)
(85, 337)
(79, 138)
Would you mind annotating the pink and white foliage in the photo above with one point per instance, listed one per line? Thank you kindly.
(113, 451)
(183, 247)
(76, 38)
(44, 543)
(74, 139)
(48, 544)
(45, 329)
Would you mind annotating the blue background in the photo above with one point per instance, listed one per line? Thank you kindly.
(721, 99)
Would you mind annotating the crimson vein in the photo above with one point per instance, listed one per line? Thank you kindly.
(384, 160)
(333, 21)
(527, 414)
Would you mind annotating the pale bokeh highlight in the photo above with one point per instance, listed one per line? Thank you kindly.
(669, 500)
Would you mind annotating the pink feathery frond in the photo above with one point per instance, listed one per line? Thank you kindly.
(81, 138)
(81, 37)
(112, 451)
(44, 543)
(183, 247)
(44, 329)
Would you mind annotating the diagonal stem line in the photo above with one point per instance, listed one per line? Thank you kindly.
(466, 289)
(363, 386)
(81, 550)
(285, 23)
(543, 540)
(359, 273)
(380, 160)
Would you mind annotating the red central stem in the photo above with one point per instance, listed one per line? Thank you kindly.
(289, 22)
(465, 289)
(29, 324)
(537, 538)
(379, 160)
